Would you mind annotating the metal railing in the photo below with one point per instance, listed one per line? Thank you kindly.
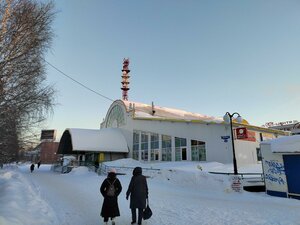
(247, 177)
(103, 169)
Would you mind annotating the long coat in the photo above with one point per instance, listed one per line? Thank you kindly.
(138, 190)
(110, 207)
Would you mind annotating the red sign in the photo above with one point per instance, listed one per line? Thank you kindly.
(241, 133)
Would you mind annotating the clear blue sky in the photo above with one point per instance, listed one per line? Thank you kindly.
(206, 57)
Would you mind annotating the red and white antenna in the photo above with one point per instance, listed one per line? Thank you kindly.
(125, 79)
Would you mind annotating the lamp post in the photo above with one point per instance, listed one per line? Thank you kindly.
(228, 119)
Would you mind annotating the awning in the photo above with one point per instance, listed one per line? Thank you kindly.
(91, 140)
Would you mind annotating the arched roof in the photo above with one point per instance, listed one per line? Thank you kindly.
(146, 111)
(102, 140)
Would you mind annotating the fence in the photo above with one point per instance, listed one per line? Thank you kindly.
(251, 181)
(123, 170)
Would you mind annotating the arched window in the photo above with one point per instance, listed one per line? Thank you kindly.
(116, 117)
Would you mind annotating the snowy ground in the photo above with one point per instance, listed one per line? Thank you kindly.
(180, 193)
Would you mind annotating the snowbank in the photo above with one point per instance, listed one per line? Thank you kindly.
(79, 171)
(20, 201)
(285, 144)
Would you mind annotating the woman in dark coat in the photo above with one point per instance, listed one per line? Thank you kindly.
(138, 191)
(32, 168)
(110, 207)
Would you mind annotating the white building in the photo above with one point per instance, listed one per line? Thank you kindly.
(154, 133)
(292, 126)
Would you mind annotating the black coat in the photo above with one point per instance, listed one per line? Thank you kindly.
(110, 207)
(138, 190)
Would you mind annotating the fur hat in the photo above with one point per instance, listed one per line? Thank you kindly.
(112, 170)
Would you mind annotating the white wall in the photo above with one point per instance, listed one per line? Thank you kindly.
(246, 152)
(216, 148)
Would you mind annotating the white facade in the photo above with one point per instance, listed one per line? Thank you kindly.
(163, 134)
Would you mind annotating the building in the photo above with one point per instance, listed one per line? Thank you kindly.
(292, 126)
(90, 145)
(46, 152)
(281, 165)
(150, 133)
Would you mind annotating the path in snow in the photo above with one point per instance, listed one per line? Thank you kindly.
(76, 200)
(74, 203)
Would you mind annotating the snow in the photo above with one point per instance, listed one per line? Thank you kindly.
(285, 144)
(179, 193)
(142, 110)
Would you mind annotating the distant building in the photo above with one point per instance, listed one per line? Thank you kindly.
(292, 126)
(152, 133)
(46, 152)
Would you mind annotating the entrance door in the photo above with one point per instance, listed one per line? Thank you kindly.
(183, 154)
(156, 155)
(292, 168)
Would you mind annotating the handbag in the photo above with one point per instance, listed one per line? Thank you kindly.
(147, 213)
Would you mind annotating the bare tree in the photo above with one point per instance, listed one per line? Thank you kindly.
(25, 101)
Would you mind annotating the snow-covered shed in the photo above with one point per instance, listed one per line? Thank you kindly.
(109, 143)
(281, 166)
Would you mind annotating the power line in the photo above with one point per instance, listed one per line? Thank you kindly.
(95, 92)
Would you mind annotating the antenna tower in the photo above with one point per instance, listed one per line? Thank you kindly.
(125, 78)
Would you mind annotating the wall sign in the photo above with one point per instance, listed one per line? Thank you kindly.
(225, 138)
(241, 133)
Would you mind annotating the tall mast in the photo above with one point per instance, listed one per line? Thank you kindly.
(125, 79)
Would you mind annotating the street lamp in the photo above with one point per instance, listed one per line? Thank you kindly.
(228, 119)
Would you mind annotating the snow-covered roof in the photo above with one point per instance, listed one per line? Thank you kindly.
(285, 144)
(146, 111)
(104, 140)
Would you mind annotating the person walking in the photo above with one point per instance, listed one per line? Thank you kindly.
(96, 164)
(110, 189)
(138, 192)
(32, 168)
(39, 164)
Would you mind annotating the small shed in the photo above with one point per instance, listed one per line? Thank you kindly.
(281, 166)
(93, 144)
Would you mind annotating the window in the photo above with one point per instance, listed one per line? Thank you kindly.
(166, 151)
(116, 117)
(154, 140)
(177, 154)
(198, 150)
(135, 148)
(144, 141)
(166, 141)
(180, 143)
(144, 146)
(258, 154)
